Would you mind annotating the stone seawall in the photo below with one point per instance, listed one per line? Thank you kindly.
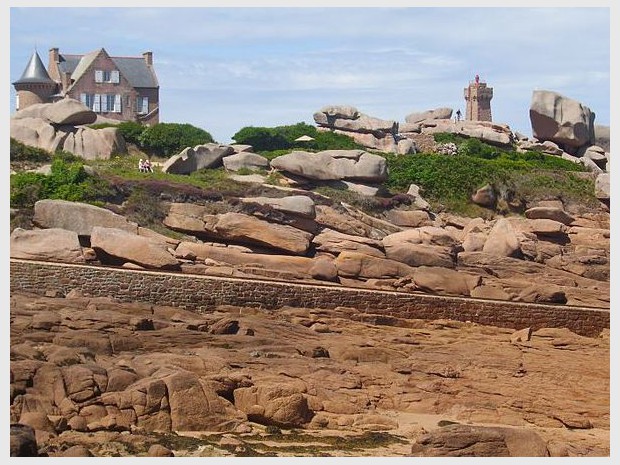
(201, 293)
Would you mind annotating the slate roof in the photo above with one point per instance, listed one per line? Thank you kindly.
(134, 69)
(35, 72)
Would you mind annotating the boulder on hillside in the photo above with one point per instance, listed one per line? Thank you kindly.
(245, 160)
(562, 120)
(320, 268)
(195, 158)
(437, 113)
(332, 165)
(273, 404)
(357, 265)
(421, 254)
(54, 244)
(491, 133)
(300, 205)
(23, 442)
(119, 245)
(238, 227)
(94, 144)
(549, 213)
(602, 137)
(68, 112)
(384, 142)
(336, 242)
(485, 197)
(428, 235)
(340, 111)
(438, 280)
(84, 142)
(78, 217)
(502, 240)
(601, 186)
(409, 218)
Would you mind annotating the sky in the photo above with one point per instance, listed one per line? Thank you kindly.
(222, 68)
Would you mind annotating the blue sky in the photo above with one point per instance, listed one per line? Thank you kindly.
(225, 68)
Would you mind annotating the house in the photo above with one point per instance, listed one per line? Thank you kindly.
(120, 88)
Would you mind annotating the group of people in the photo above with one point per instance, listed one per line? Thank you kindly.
(145, 166)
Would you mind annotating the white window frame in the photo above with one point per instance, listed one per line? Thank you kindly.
(142, 105)
(109, 77)
(97, 103)
(117, 104)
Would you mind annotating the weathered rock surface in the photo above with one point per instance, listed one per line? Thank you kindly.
(562, 120)
(334, 165)
(59, 126)
(245, 160)
(195, 158)
(127, 247)
(406, 379)
(296, 204)
(437, 113)
(480, 441)
(54, 244)
(78, 217)
(248, 229)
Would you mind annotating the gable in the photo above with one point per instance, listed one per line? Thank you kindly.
(134, 69)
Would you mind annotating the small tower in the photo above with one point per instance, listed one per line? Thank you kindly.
(478, 97)
(35, 85)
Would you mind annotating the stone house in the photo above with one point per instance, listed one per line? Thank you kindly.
(120, 88)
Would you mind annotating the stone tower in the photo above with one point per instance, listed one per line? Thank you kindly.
(478, 97)
(35, 85)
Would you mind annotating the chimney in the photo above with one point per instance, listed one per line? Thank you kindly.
(53, 57)
(148, 57)
(52, 66)
(66, 81)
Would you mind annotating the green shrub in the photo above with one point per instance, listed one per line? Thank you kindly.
(67, 181)
(131, 131)
(22, 152)
(283, 138)
(261, 139)
(166, 139)
(450, 180)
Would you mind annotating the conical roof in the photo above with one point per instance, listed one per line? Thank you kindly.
(35, 72)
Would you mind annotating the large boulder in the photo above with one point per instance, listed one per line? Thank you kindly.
(320, 268)
(195, 158)
(273, 404)
(549, 213)
(68, 112)
(331, 165)
(602, 136)
(601, 186)
(502, 240)
(562, 120)
(357, 265)
(123, 246)
(437, 113)
(336, 242)
(238, 227)
(245, 160)
(492, 133)
(56, 245)
(479, 441)
(36, 132)
(436, 280)
(421, 254)
(94, 144)
(300, 205)
(78, 217)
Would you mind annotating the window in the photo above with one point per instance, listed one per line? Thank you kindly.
(107, 76)
(92, 101)
(142, 105)
(111, 103)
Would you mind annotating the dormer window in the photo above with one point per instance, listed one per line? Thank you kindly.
(107, 76)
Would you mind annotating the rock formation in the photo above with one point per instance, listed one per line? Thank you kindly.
(63, 126)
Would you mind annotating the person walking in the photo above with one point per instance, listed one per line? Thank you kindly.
(458, 115)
